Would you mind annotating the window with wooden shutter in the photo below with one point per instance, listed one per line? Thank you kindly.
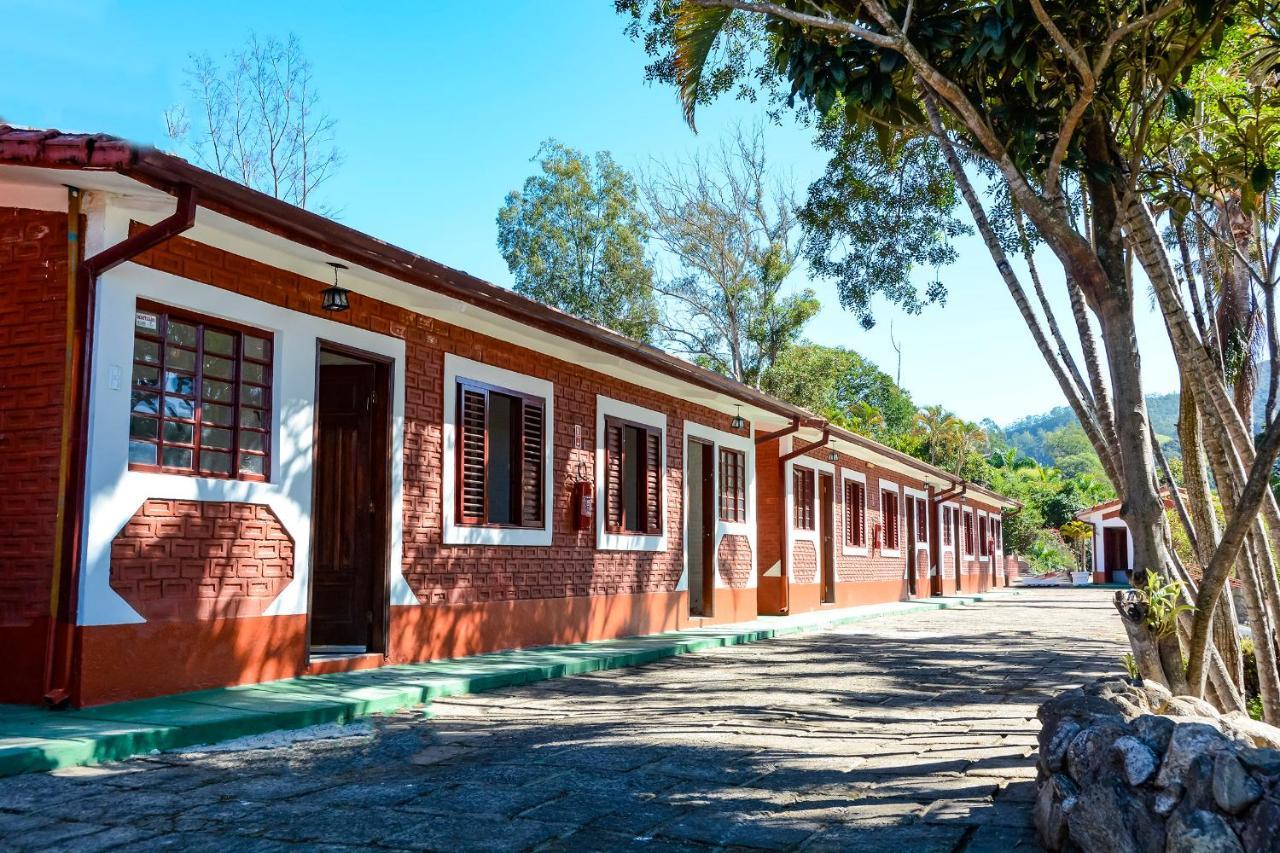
(922, 520)
(968, 533)
(982, 536)
(501, 457)
(889, 518)
(802, 494)
(733, 485)
(201, 396)
(855, 516)
(634, 477)
(946, 525)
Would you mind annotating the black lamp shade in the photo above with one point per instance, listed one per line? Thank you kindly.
(335, 299)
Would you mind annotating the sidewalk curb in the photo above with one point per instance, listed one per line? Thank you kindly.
(32, 739)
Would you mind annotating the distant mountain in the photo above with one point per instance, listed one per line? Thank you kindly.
(1031, 435)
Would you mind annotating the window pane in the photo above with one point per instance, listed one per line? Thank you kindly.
(222, 368)
(146, 322)
(142, 453)
(144, 403)
(253, 441)
(499, 459)
(251, 372)
(143, 427)
(177, 457)
(219, 343)
(146, 351)
(250, 464)
(211, 413)
(214, 437)
(181, 333)
(252, 396)
(632, 481)
(180, 359)
(253, 418)
(176, 407)
(257, 348)
(178, 433)
(215, 462)
(146, 377)
(179, 383)
(217, 392)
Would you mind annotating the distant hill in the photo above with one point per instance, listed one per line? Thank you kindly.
(1029, 434)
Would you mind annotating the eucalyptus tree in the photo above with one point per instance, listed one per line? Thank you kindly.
(1058, 104)
(575, 235)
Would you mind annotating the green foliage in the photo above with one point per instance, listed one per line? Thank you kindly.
(1048, 554)
(1131, 666)
(1164, 604)
(574, 238)
(841, 385)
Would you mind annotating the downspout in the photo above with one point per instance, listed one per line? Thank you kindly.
(778, 435)
(782, 482)
(62, 648)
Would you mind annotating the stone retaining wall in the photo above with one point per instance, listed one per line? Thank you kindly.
(1128, 767)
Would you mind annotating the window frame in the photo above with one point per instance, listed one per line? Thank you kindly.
(848, 546)
(968, 530)
(983, 530)
(605, 540)
(517, 471)
(945, 521)
(732, 489)
(891, 548)
(203, 322)
(642, 479)
(804, 516)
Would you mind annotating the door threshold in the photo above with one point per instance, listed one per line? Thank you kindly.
(319, 653)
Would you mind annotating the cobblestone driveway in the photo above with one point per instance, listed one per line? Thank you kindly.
(904, 734)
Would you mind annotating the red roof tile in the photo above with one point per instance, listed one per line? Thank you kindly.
(52, 148)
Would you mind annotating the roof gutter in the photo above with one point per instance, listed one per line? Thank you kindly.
(62, 646)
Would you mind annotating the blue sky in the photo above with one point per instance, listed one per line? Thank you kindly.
(440, 108)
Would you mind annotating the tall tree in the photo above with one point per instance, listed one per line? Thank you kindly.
(730, 227)
(255, 117)
(574, 237)
(1057, 104)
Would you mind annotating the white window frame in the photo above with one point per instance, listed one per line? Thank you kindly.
(968, 555)
(854, 550)
(977, 533)
(795, 535)
(919, 495)
(458, 368)
(942, 525)
(607, 407)
(883, 486)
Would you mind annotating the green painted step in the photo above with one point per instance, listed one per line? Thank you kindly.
(32, 739)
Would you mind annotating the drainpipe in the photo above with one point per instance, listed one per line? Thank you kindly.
(62, 647)
(782, 481)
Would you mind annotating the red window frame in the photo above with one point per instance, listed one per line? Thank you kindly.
(802, 497)
(968, 533)
(733, 485)
(855, 514)
(947, 519)
(890, 518)
(177, 373)
(471, 473)
(922, 519)
(983, 550)
(650, 479)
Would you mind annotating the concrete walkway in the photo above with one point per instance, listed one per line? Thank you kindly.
(911, 732)
(32, 739)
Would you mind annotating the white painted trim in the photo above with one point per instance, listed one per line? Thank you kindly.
(942, 526)
(605, 541)
(747, 447)
(854, 550)
(788, 484)
(977, 533)
(896, 488)
(456, 367)
(968, 555)
(114, 493)
(919, 495)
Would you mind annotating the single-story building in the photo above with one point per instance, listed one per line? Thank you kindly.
(242, 442)
(1111, 549)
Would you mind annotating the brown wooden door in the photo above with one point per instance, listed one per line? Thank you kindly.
(826, 494)
(349, 510)
(911, 546)
(1115, 551)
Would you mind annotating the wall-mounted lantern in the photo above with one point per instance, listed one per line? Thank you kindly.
(738, 421)
(334, 298)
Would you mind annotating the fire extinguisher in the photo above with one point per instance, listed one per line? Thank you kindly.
(584, 505)
(877, 537)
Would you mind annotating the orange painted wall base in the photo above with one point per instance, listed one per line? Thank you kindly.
(807, 597)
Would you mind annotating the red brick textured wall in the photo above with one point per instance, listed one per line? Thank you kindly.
(183, 560)
(804, 562)
(444, 574)
(33, 281)
(733, 556)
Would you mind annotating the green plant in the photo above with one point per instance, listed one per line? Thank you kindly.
(1048, 554)
(1163, 602)
(1131, 666)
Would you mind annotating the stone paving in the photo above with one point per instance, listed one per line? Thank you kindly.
(907, 733)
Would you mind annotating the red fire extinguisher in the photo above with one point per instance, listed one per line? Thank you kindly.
(584, 505)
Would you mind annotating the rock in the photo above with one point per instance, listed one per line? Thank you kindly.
(1234, 790)
(1109, 816)
(1154, 731)
(1199, 831)
(1261, 832)
(1197, 783)
(1189, 741)
(1057, 797)
(1187, 706)
(1256, 732)
(1156, 693)
(1136, 758)
(1089, 755)
(1166, 801)
(1054, 753)
(1264, 761)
